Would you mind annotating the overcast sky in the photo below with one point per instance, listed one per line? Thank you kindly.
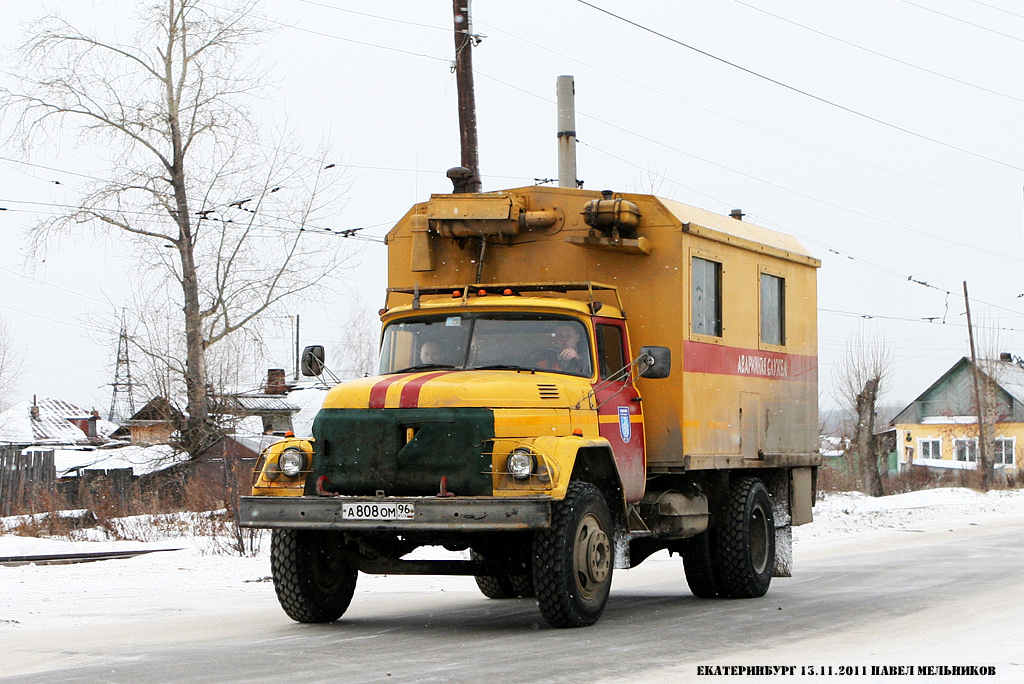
(884, 134)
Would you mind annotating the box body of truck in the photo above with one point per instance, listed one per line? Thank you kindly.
(570, 381)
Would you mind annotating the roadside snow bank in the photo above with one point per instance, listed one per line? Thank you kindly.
(847, 516)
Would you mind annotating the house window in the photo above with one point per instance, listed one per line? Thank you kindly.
(1004, 448)
(966, 450)
(773, 309)
(706, 296)
(930, 448)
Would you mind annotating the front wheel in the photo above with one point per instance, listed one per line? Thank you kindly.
(573, 559)
(745, 542)
(312, 577)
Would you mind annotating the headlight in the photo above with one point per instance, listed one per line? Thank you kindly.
(292, 461)
(520, 463)
(272, 471)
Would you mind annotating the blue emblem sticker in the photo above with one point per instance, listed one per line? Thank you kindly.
(625, 426)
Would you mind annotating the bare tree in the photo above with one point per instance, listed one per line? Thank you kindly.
(996, 406)
(359, 345)
(215, 220)
(10, 365)
(860, 380)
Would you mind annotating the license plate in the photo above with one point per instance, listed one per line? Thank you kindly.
(378, 511)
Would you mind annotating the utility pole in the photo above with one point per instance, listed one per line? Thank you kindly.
(463, 68)
(986, 482)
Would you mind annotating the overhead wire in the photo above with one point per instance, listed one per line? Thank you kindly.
(880, 54)
(804, 93)
(963, 21)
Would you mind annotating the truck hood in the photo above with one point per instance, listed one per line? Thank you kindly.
(459, 388)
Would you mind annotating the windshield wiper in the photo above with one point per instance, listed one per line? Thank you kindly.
(424, 366)
(501, 366)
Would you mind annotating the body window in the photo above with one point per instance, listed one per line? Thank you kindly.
(773, 309)
(706, 297)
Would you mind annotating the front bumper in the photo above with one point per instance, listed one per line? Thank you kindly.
(468, 514)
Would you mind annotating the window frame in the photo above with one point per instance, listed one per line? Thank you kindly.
(932, 441)
(779, 311)
(719, 303)
(971, 443)
(1012, 441)
(619, 333)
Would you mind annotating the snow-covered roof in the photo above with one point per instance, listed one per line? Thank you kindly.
(1009, 376)
(141, 459)
(265, 403)
(309, 400)
(52, 425)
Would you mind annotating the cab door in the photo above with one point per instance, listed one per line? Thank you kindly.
(619, 413)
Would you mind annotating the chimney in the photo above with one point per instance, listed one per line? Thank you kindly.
(1006, 357)
(34, 411)
(737, 214)
(276, 381)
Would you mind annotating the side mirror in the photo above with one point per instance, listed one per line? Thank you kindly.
(655, 362)
(313, 360)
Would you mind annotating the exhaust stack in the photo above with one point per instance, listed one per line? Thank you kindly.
(565, 90)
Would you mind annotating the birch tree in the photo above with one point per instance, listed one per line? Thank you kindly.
(216, 220)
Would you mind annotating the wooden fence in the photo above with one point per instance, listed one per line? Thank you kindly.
(23, 477)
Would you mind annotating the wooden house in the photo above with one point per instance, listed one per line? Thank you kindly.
(939, 430)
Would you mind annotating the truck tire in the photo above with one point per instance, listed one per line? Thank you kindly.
(699, 565)
(745, 543)
(313, 581)
(502, 586)
(572, 560)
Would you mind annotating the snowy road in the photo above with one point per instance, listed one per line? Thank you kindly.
(927, 590)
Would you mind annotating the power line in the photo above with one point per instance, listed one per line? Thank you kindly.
(998, 9)
(805, 93)
(963, 21)
(880, 54)
(446, 29)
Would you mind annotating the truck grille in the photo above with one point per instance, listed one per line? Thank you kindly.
(404, 452)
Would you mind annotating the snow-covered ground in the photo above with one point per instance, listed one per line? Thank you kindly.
(109, 591)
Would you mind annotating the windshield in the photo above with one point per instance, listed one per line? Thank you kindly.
(495, 340)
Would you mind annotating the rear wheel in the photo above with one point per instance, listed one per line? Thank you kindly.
(313, 579)
(573, 559)
(745, 544)
(699, 565)
(502, 586)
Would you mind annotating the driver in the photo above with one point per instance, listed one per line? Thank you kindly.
(567, 340)
(433, 352)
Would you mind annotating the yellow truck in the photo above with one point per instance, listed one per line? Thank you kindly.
(569, 382)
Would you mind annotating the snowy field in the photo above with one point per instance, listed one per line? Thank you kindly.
(197, 579)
